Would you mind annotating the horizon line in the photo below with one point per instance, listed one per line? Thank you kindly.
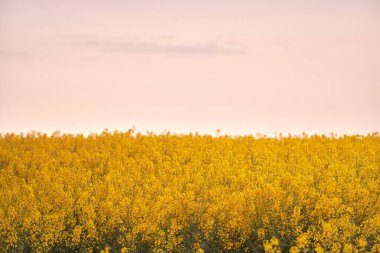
(218, 133)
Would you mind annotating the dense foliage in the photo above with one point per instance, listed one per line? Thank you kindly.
(128, 192)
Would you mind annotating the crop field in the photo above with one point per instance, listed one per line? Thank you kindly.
(132, 192)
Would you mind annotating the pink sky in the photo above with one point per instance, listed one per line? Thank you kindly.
(240, 66)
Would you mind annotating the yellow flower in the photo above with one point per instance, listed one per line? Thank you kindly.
(294, 249)
(261, 233)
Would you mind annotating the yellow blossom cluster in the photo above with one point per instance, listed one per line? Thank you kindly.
(132, 192)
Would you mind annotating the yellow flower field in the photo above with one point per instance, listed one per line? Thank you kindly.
(128, 192)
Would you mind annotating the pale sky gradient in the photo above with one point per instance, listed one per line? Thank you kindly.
(241, 66)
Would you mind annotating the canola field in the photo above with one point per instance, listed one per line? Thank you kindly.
(132, 192)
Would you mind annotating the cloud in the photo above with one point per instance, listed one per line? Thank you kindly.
(13, 55)
(171, 47)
